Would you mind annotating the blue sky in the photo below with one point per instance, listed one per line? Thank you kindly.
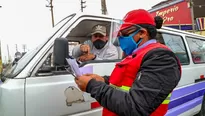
(29, 21)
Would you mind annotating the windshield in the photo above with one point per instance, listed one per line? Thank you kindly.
(12, 71)
(114, 29)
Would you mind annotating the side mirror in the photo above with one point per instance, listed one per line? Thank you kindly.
(45, 69)
(60, 52)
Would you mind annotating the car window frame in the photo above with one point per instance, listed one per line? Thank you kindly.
(197, 38)
(183, 41)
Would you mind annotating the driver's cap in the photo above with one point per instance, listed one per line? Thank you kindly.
(99, 29)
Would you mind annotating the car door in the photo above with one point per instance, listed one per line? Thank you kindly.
(54, 96)
(54, 93)
(49, 94)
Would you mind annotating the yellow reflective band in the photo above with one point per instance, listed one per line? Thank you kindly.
(126, 88)
(166, 102)
(113, 86)
(168, 98)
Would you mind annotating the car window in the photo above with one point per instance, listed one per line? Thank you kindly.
(176, 44)
(197, 48)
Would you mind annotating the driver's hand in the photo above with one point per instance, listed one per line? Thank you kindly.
(86, 57)
(85, 49)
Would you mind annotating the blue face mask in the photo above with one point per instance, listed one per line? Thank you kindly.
(128, 44)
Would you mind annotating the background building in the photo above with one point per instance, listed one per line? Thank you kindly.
(186, 15)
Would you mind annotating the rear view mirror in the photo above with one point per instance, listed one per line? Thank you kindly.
(60, 51)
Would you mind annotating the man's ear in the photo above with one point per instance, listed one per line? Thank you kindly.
(143, 33)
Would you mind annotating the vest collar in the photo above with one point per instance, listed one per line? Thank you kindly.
(145, 44)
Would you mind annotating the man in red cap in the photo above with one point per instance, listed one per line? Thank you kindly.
(141, 84)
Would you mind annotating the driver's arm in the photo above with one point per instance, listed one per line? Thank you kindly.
(76, 52)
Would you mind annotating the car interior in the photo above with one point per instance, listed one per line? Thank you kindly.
(56, 62)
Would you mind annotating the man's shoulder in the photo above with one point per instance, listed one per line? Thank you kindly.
(88, 42)
(159, 52)
(111, 46)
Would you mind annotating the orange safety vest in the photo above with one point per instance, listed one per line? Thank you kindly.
(125, 73)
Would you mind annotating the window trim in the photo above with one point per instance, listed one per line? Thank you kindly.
(183, 41)
(186, 37)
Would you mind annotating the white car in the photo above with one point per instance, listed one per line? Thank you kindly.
(39, 85)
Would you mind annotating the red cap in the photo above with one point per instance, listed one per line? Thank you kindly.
(139, 16)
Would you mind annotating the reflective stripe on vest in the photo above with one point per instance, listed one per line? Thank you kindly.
(126, 89)
(167, 100)
(123, 88)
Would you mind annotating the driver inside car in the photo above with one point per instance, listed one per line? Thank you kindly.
(97, 48)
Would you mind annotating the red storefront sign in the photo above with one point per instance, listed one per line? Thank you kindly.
(175, 14)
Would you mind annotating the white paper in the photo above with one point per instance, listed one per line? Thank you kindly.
(74, 67)
(86, 70)
(79, 71)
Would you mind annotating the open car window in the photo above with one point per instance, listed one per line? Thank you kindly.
(78, 35)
